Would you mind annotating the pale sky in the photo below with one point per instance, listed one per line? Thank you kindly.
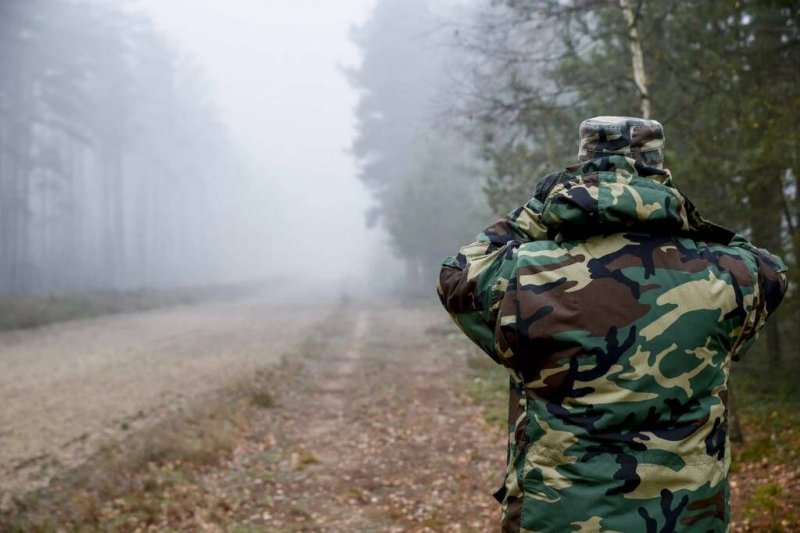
(275, 66)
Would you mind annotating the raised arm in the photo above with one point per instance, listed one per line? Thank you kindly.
(472, 282)
(769, 287)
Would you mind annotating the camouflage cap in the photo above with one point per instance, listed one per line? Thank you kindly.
(641, 139)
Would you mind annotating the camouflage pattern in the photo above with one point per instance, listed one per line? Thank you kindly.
(617, 310)
(641, 139)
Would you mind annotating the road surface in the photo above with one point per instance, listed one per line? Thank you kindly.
(69, 388)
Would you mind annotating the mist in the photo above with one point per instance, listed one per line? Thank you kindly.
(280, 89)
(179, 143)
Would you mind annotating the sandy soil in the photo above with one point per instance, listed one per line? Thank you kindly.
(67, 389)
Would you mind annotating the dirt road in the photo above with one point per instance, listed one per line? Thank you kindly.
(378, 438)
(366, 427)
(69, 388)
(369, 430)
(373, 435)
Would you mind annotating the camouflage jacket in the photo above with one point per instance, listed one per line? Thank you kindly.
(617, 310)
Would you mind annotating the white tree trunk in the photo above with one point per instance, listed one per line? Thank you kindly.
(635, 43)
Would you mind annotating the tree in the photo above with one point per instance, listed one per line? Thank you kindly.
(109, 148)
(423, 177)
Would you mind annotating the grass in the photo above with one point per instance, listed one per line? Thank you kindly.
(765, 499)
(24, 312)
(304, 458)
(767, 401)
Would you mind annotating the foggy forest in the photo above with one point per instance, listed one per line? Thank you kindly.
(222, 230)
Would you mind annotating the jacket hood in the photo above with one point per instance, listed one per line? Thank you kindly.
(616, 193)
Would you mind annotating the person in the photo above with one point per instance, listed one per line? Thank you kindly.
(617, 310)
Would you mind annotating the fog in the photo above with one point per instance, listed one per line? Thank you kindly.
(275, 68)
(180, 144)
(188, 143)
(152, 144)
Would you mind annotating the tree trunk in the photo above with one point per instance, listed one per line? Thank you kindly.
(114, 231)
(766, 187)
(637, 57)
(23, 266)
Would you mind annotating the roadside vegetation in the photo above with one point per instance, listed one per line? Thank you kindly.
(23, 312)
(766, 463)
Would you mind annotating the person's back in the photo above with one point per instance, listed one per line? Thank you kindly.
(617, 310)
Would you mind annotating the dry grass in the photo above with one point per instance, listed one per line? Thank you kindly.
(22, 312)
(134, 474)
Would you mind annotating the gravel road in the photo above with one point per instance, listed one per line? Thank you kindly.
(67, 389)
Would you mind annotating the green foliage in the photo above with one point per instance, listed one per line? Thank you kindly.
(767, 403)
(767, 501)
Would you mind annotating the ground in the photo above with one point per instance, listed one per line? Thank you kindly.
(68, 389)
(347, 417)
(376, 438)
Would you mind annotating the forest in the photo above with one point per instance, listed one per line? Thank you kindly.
(113, 156)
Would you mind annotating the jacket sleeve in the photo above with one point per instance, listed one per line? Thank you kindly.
(769, 286)
(472, 283)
